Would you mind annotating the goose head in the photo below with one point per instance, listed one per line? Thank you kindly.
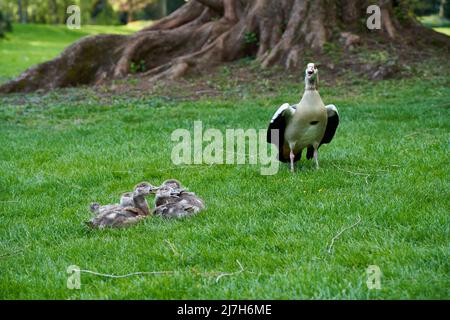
(126, 199)
(311, 76)
(173, 183)
(94, 207)
(144, 189)
(166, 191)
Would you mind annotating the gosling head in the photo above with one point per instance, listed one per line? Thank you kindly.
(165, 191)
(126, 199)
(173, 183)
(94, 207)
(144, 189)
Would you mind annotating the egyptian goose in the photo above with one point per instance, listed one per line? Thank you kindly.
(126, 200)
(140, 191)
(116, 218)
(173, 201)
(308, 124)
(132, 208)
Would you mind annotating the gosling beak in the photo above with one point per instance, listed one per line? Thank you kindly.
(154, 189)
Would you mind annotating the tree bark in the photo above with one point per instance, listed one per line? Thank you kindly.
(54, 12)
(21, 12)
(442, 8)
(204, 33)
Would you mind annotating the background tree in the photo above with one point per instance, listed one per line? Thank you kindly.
(205, 33)
(103, 13)
(22, 10)
(442, 8)
(5, 24)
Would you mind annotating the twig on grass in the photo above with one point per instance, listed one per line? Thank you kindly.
(365, 175)
(207, 274)
(342, 231)
(6, 255)
(126, 275)
(414, 133)
(352, 172)
(224, 274)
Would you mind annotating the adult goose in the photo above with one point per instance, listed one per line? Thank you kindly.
(308, 124)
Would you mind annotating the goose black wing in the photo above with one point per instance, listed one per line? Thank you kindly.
(277, 126)
(332, 124)
(330, 130)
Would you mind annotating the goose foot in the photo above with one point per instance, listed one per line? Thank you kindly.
(292, 156)
(316, 159)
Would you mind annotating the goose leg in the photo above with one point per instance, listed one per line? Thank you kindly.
(316, 160)
(292, 156)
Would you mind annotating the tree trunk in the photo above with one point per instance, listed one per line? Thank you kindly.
(442, 8)
(54, 11)
(130, 16)
(20, 11)
(162, 8)
(205, 33)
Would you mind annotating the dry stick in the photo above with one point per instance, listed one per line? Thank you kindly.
(417, 132)
(6, 255)
(340, 232)
(126, 275)
(232, 273)
(223, 274)
(366, 175)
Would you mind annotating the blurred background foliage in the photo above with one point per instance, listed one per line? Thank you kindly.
(101, 12)
(121, 12)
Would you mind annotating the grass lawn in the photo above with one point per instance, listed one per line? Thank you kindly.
(30, 44)
(438, 24)
(387, 166)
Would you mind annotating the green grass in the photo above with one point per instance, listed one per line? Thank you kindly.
(434, 21)
(30, 44)
(443, 30)
(438, 24)
(388, 165)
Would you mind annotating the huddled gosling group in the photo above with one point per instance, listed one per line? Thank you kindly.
(171, 201)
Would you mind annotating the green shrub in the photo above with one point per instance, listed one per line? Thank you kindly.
(5, 24)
